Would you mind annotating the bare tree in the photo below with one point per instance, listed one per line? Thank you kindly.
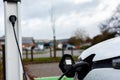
(79, 36)
(109, 28)
(80, 33)
(112, 25)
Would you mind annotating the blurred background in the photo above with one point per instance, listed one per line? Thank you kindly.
(51, 28)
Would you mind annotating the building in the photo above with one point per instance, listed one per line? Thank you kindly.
(27, 42)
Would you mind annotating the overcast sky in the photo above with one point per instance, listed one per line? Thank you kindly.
(68, 15)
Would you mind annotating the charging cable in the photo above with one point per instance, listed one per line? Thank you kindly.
(13, 19)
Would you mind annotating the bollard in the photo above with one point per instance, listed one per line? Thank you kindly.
(32, 48)
(50, 52)
(26, 53)
(72, 51)
(4, 66)
(62, 51)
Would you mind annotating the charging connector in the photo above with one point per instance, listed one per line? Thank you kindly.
(13, 19)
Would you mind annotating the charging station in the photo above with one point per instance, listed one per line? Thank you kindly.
(13, 66)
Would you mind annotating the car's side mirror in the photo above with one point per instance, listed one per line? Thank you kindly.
(66, 64)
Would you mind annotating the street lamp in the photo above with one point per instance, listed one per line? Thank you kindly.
(53, 30)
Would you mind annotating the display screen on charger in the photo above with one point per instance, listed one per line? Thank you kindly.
(68, 62)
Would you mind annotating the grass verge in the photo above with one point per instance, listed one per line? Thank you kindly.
(45, 60)
(37, 52)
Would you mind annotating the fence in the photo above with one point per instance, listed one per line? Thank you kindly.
(62, 52)
(2, 65)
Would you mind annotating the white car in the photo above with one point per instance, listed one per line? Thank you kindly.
(99, 62)
(69, 47)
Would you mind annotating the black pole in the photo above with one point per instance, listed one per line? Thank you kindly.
(4, 64)
(62, 51)
(72, 51)
(26, 53)
(54, 47)
(32, 52)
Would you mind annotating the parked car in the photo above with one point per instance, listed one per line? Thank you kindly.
(39, 48)
(69, 47)
(36, 48)
(99, 62)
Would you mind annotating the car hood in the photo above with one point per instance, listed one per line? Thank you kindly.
(104, 50)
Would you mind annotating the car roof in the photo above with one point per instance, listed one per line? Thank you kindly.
(104, 50)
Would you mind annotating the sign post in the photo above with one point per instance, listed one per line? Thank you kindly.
(12, 60)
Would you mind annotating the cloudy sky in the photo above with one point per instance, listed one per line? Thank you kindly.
(68, 15)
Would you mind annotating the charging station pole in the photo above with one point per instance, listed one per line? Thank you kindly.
(12, 60)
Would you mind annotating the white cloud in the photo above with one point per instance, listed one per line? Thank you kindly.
(107, 6)
(69, 23)
(80, 1)
(39, 28)
(88, 20)
(80, 19)
(70, 14)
